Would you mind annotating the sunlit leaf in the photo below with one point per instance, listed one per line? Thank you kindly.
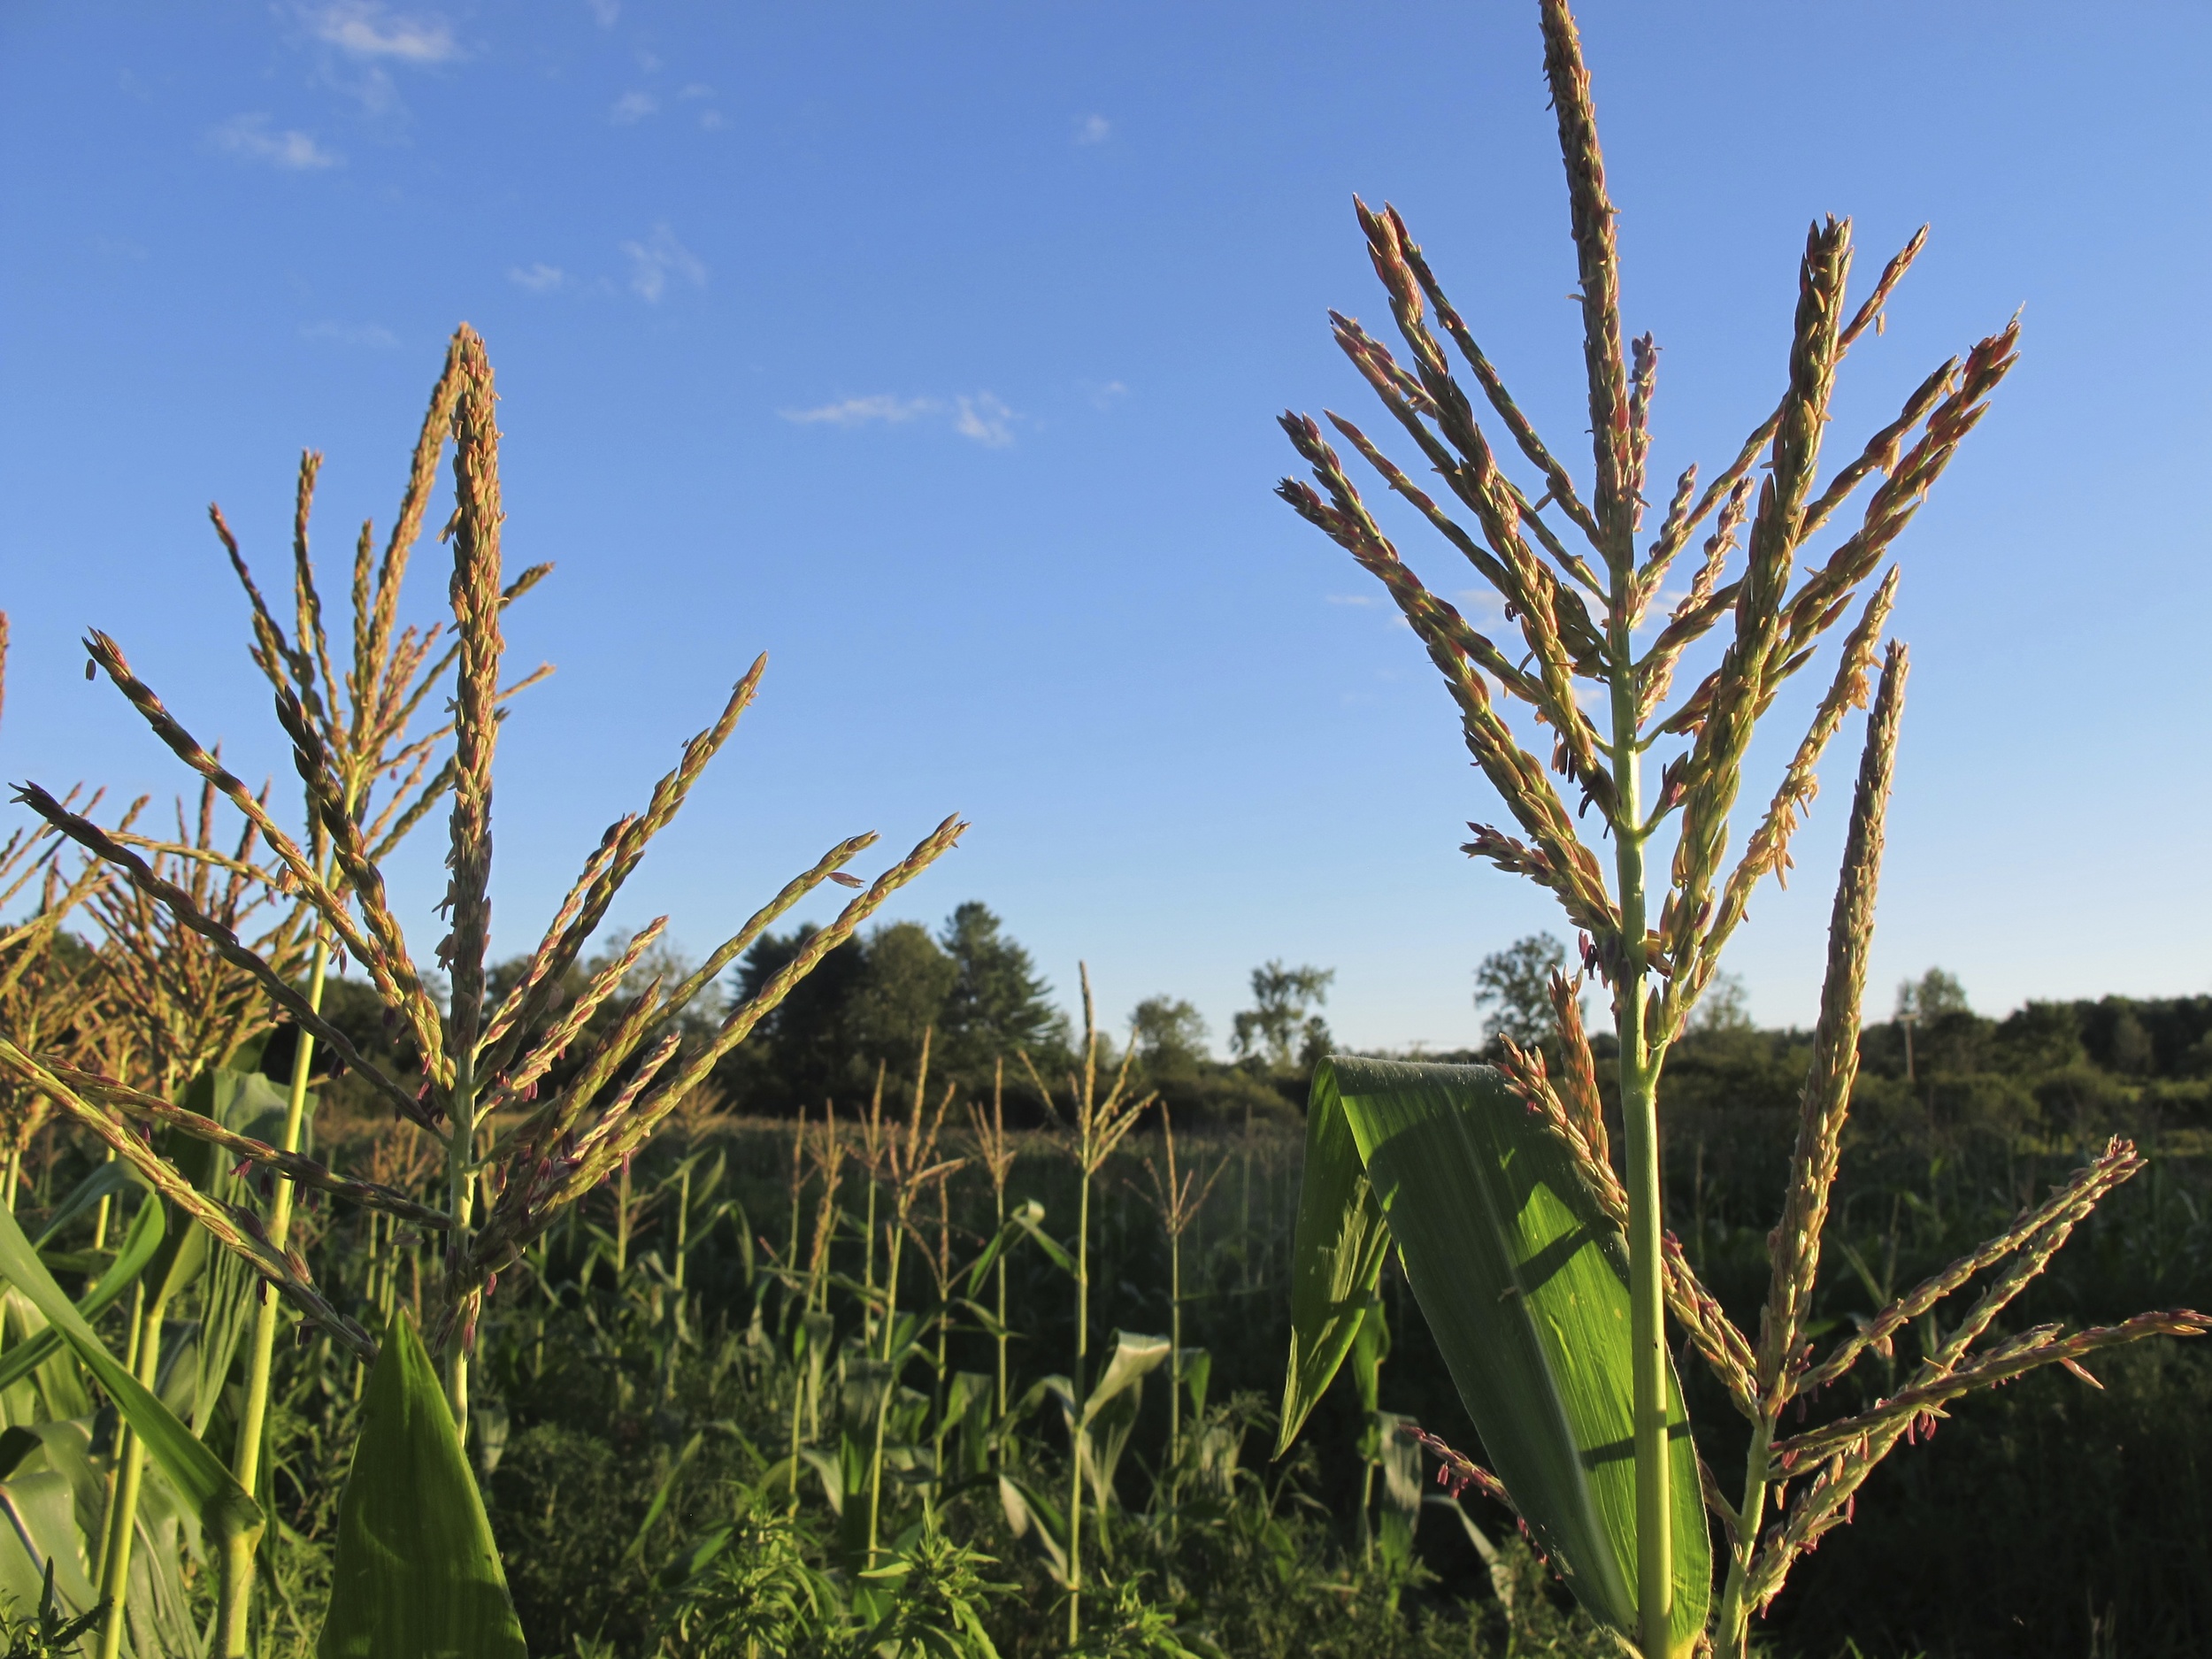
(223, 1506)
(1336, 1259)
(416, 1574)
(1526, 1288)
(140, 1245)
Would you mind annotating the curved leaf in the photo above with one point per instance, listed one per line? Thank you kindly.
(223, 1506)
(418, 1575)
(105, 1181)
(1526, 1288)
(1336, 1259)
(139, 1246)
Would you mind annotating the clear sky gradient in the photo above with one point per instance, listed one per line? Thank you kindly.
(935, 349)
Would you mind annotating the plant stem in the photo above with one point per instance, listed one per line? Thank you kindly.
(100, 1216)
(683, 1228)
(889, 1387)
(234, 1588)
(868, 1263)
(1174, 1350)
(999, 1195)
(622, 1222)
(122, 1528)
(460, 1204)
(944, 1333)
(1639, 1060)
(1731, 1629)
(1075, 1379)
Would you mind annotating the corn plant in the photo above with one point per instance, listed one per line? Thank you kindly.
(1545, 1273)
(1097, 1124)
(995, 1151)
(910, 1166)
(1179, 1197)
(514, 1162)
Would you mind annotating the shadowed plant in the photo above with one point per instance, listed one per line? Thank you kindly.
(1178, 1196)
(515, 1159)
(1096, 1124)
(1545, 1272)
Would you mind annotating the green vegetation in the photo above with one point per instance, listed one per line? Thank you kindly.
(643, 1307)
(640, 1376)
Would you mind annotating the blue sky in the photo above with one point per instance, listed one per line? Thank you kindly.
(935, 349)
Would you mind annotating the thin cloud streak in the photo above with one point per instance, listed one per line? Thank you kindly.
(364, 28)
(863, 412)
(657, 259)
(980, 417)
(249, 137)
(985, 420)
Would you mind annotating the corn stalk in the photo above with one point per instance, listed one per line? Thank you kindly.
(1096, 1125)
(1655, 935)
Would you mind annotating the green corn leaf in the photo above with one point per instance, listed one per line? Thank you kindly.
(1030, 1513)
(139, 1246)
(416, 1575)
(224, 1507)
(1336, 1258)
(1026, 1221)
(105, 1181)
(1197, 1366)
(662, 1493)
(1526, 1288)
(1370, 1346)
(1133, 1357)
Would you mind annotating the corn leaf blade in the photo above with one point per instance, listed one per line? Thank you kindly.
(140, 1245)
(224, 1507)
(1526, 1287)
(416, 1574)
(1336, 1259)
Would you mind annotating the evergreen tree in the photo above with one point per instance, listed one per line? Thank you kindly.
(998, 1003)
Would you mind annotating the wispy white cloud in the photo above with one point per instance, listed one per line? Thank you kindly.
(863, 412)
(537, 278)
(696, 90)
(367, 29)
(608, 11)
(1093, 129)
(1107, 396)
(980, 416)
(711, 121)
(373, 336)
(653, 261)
(984, 418)
(251, 138)
(1361, 600)
(633, 107)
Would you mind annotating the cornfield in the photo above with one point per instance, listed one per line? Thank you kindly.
(954, 1369)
